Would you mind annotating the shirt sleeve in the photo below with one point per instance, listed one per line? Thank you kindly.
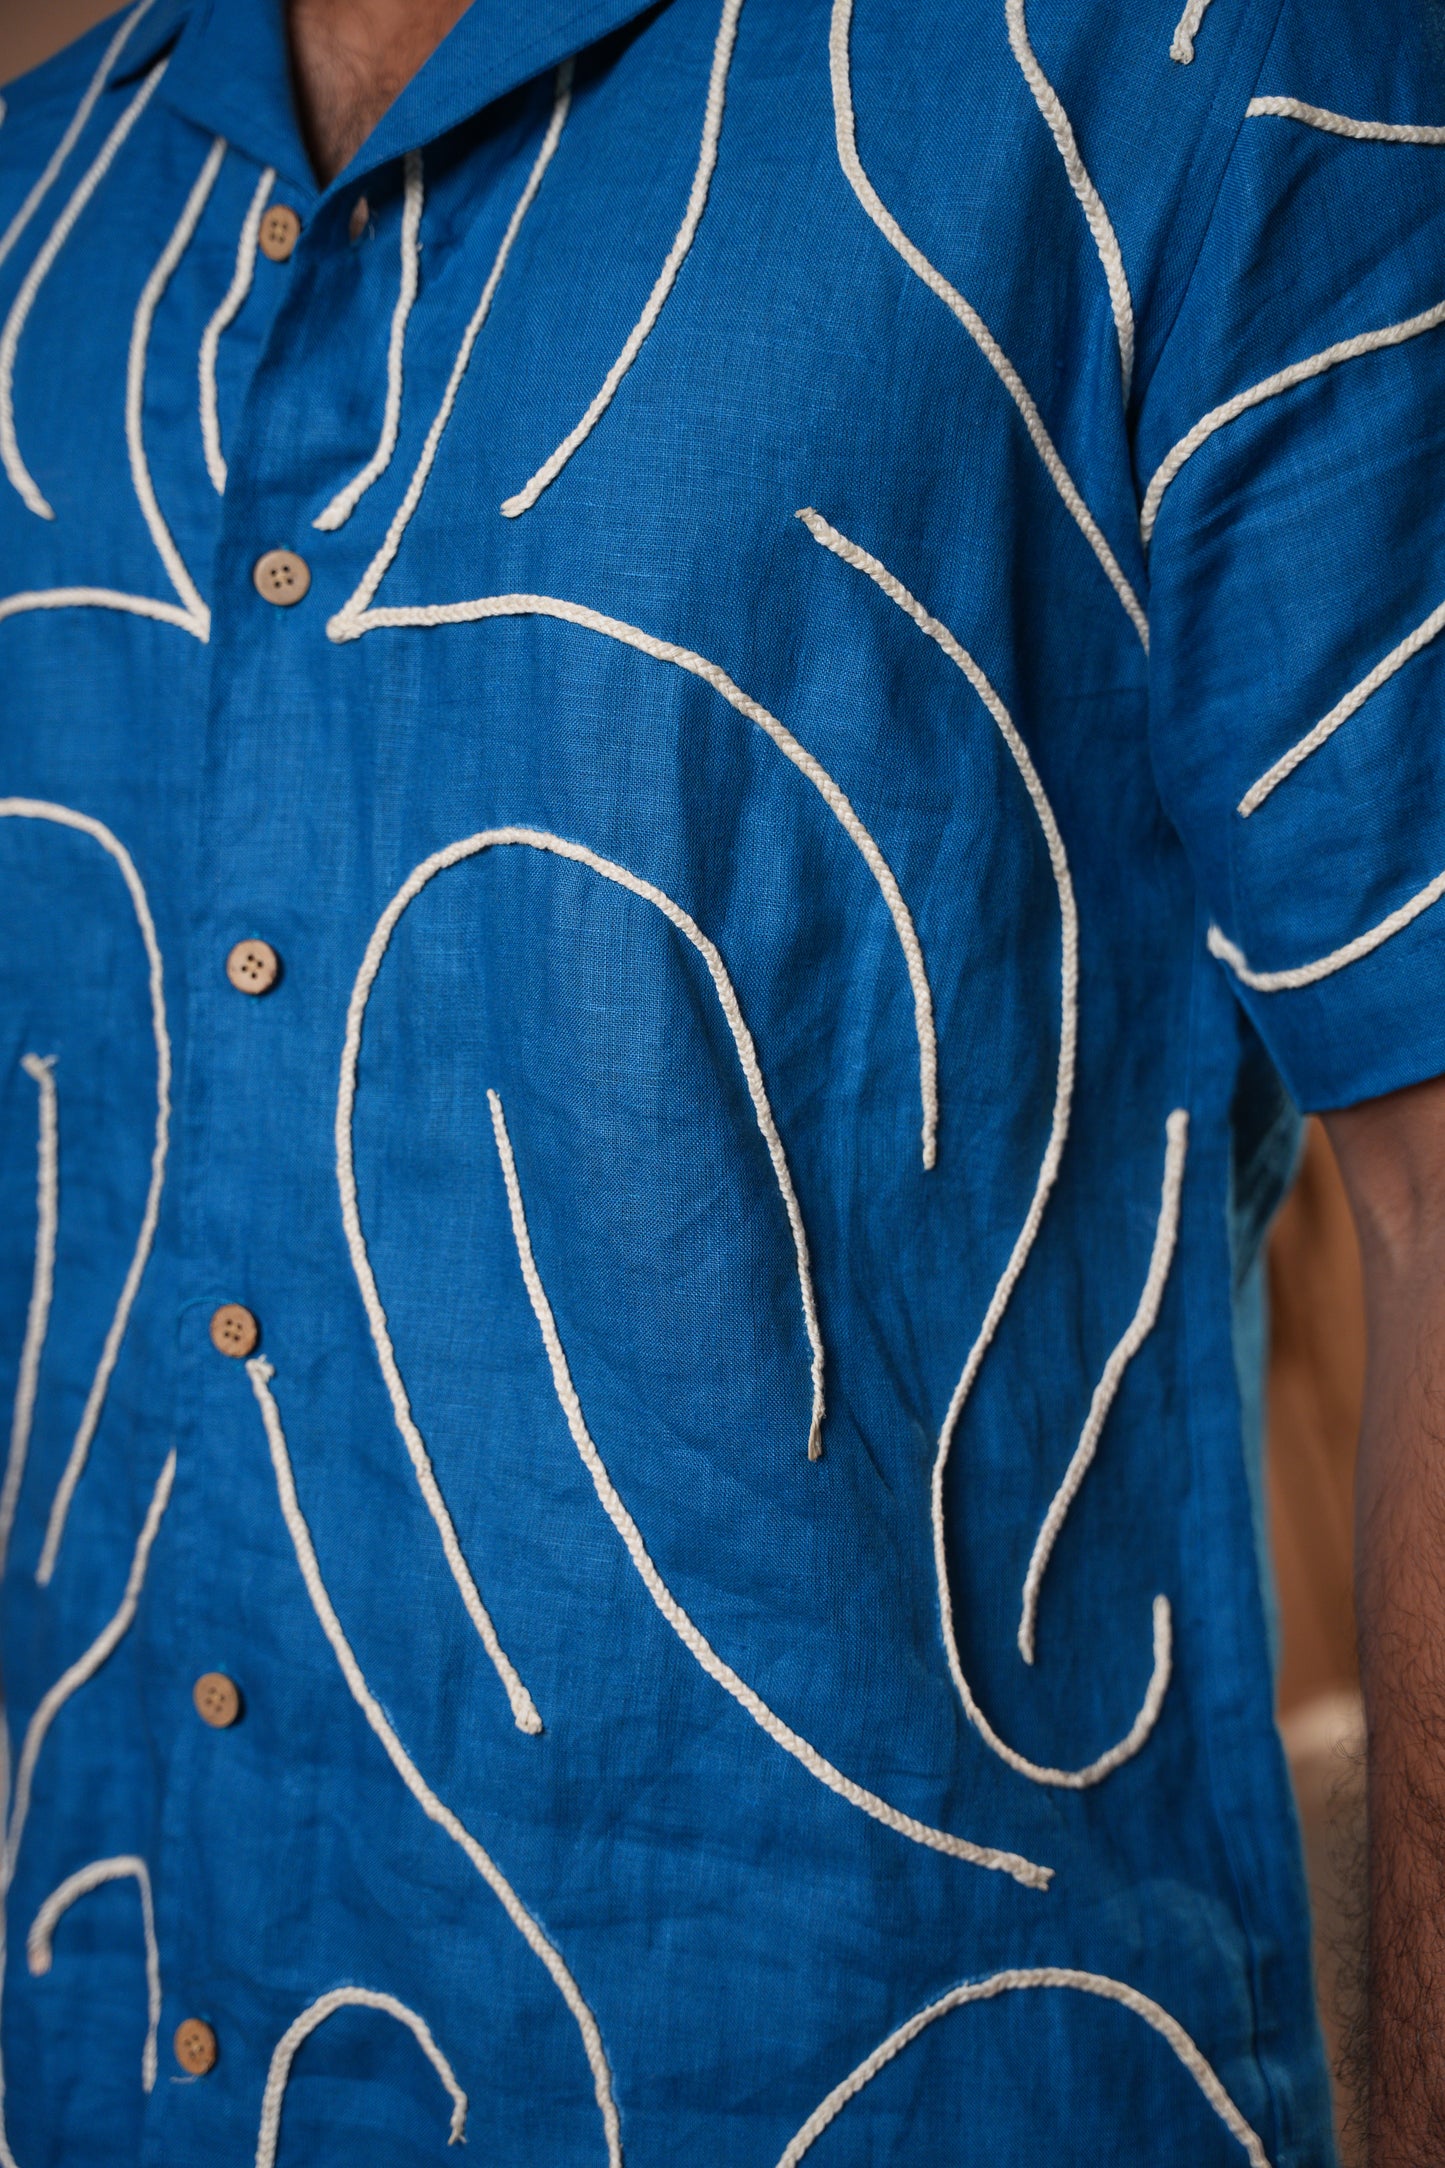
(1291, 460)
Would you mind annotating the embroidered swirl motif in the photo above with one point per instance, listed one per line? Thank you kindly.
(76, 1675)
(60, 816)
(695, 1642)
(1124, 1749)
(58, 1903)
(261, 1373)
(301, 2028)
(1006, 1983)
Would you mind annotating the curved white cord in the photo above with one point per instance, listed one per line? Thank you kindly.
(967, 315)
(1354, 700)
(84, 1668)
(42, 1287)
(1094, 1772)
(552, 466)
(15, 468)
(225, 316)
(1106, 241)
(537, 839)
(135, 377)
(73, 130)
(698, 1647)
(58, 1903)
(63, 816)
(1186, 30)
(1002, 1983)
(1362, 131)
(837, 802)
(104, 598)
(1324, 967)
(260, 1373)
(1270, 387)
(344, 503)
(1166, 1235)
(347, 621)
(341, 1998)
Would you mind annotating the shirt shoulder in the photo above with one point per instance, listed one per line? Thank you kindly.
(48, 110)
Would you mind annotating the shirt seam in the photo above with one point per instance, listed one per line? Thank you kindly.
(1226, 167)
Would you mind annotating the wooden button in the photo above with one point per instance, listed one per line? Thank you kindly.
(234, 1330)
(253, 967)
(359, 220)
(217, 1700)
(281, 577)
(195, 2046)
(280, 231)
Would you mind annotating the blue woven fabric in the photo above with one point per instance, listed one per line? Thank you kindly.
(851, 1013)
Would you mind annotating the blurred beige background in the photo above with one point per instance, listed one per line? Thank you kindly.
(1315, 1391)
(32, 29)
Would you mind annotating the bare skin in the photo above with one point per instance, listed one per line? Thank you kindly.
(1392, 1155)
(351, 59)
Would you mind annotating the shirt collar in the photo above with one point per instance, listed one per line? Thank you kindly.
(230, 73)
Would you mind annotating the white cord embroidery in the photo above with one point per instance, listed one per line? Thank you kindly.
(537, 839)
(1187, 30)
(1166, 1235)
(84, 1668)
(1353, 701)
(341, 1998)
(1127, 1747)
(225, 316)
(696, 1644)
(344, 503)
(524, 1710)
(74, 129)
(1362, 131)
(1324, 967)
(62, 816)
(191, 615)
(353, 610)
(260, 1373)
(1270, 387)
(135, 375)
(1002, 1983)
(58, 1903)
(837, 802)
(967, 315)
(42, 1287)
(551, 467)
(1106, 240)
(15, 467)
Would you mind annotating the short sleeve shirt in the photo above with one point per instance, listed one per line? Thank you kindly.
(690, 776)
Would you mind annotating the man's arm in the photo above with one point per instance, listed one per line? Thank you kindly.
(1392, 1155)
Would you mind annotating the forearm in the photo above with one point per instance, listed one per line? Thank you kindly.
(1393, 1156)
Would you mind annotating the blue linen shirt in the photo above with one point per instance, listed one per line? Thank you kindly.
(867, 703)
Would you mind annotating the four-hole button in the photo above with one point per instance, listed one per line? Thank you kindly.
(281, 577)
(217, 1700)
(196, 2046)
(234, 1330)
(253, 967)
(279, 233)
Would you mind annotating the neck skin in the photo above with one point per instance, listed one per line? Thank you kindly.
(351, 59)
